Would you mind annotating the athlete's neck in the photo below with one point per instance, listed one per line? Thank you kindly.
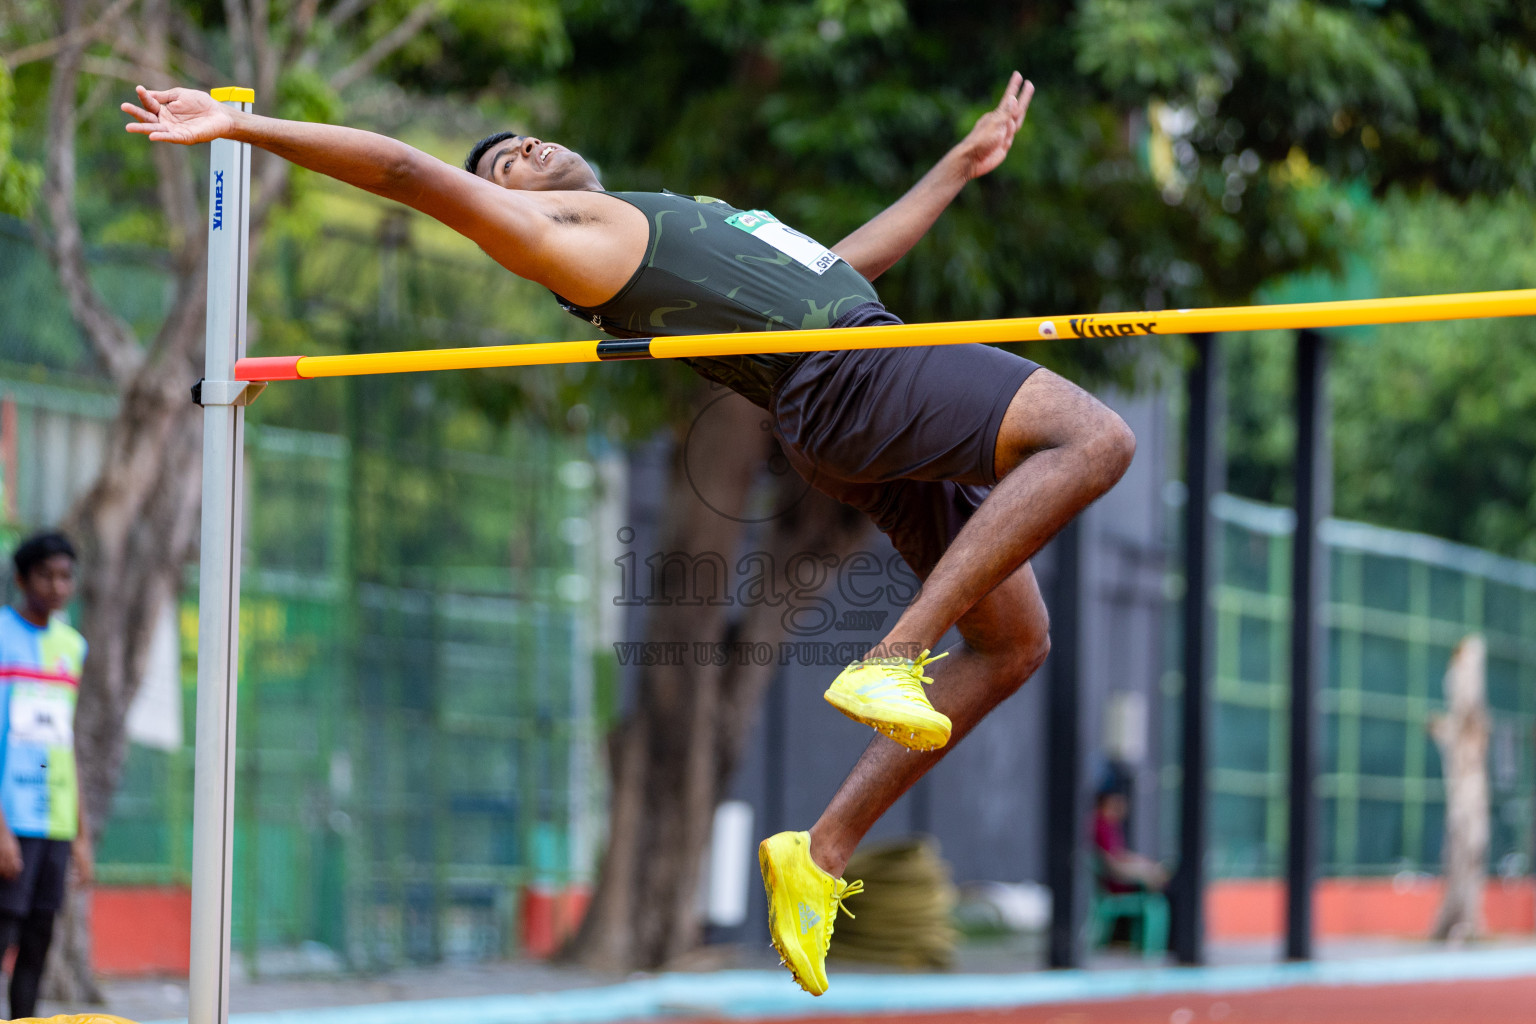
(33, 615)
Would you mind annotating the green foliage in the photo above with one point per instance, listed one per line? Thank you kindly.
(1261, 423)
(19, 180)
(303, 94)
(1437, 422)
(801, 31)
(1178, 153)
(826, 120)
(476, 44)
(1426, 92)
(1434, 424)
(826, 112)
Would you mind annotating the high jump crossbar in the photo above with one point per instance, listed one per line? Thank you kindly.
(1344, 313)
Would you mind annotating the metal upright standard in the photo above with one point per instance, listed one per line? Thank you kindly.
(218, 646)
(1309, 591)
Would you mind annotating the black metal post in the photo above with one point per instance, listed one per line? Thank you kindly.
(1309, 591)
(1065, 792)
(1204, 472)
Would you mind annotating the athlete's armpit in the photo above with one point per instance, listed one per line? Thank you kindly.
(589, 248)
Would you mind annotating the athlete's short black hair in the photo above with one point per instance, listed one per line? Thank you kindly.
(1114, 780)
(473, 160)
(36, 550)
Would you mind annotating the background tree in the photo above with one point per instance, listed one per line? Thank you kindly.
(1432, 422)
(1437, 422)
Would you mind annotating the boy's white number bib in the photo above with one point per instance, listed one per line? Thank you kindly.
(803, 249)
(41, 715)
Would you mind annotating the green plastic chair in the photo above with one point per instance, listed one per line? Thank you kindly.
(1147, 912)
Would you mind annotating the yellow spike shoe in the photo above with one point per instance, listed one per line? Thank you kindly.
(886, 694)
(803, 900)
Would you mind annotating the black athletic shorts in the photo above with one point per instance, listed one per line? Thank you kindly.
(907, 436)
(40, 886)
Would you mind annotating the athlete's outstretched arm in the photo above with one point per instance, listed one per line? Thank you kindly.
(874, 248)
(502, 222)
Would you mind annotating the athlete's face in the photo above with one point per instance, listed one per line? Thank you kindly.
(49, 586)
(524, 162)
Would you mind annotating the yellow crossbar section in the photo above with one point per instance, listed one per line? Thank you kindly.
(1464, 306)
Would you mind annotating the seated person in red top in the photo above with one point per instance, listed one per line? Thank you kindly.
(1120, 869)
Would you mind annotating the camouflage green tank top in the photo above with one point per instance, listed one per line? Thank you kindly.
(710, 268)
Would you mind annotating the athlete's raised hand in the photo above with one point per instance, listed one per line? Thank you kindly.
(183, 116)
(988, 142)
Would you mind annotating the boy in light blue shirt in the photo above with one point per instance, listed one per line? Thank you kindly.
(41, 826)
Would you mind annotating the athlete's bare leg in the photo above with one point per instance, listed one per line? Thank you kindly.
(1058, 450)
(1006, 638)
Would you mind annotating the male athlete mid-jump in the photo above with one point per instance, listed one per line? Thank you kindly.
(967, 457)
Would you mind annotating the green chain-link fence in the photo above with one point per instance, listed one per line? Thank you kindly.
(404, 743)
(418, 687)
(1399, 603)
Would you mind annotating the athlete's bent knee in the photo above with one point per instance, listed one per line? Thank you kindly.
(1113, 446)
(1022, 655)
(1036, 653)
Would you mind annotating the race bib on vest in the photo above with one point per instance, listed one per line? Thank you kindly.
(803, 249)
(42, 715)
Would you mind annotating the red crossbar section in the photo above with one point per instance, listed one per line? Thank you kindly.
(268, 368)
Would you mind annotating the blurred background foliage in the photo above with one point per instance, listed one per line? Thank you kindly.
(1432, 422)
(18, 180)
(1177, 154)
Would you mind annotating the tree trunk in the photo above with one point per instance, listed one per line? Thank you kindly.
(136, 529)
(67, 977)
(673, 752)
(1462, 736)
